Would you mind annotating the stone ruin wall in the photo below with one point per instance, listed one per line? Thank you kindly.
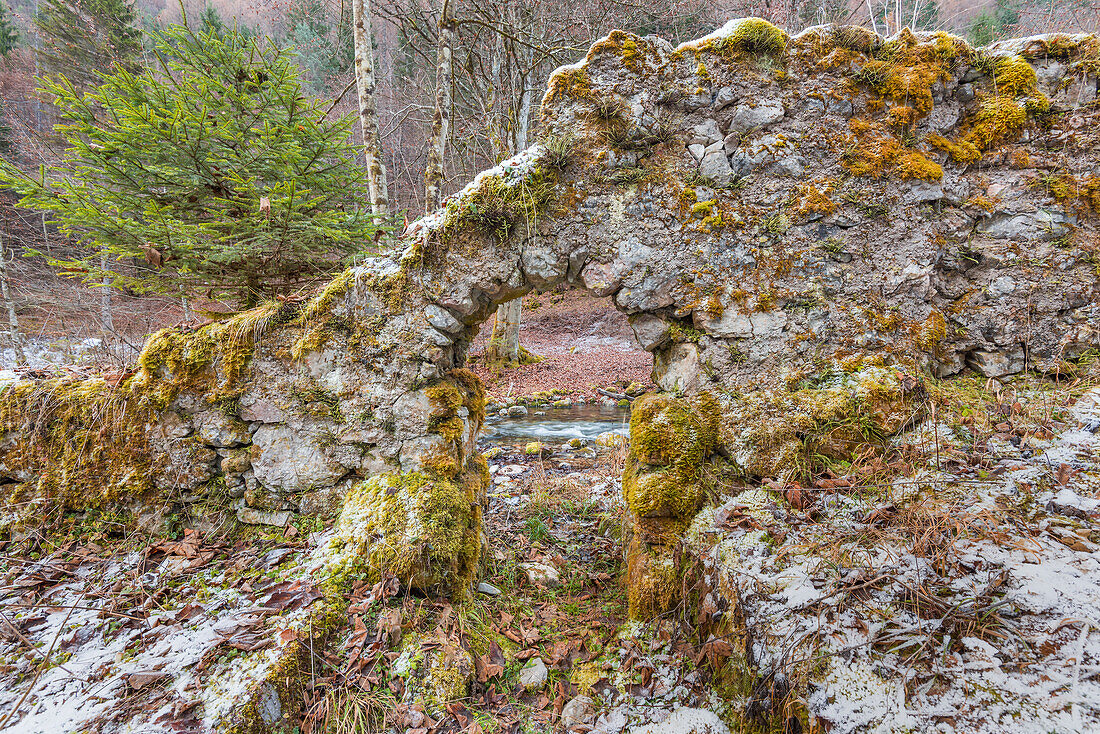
(796, 227)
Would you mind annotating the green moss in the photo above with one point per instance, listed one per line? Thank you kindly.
(622, 44)
(1014, 76)
(670, 431)
(906, 68)
(836, 414)
(662, 492)
(702, 209)
(497, 206)
(654, 580)
(461, 389)
(682, 332)
(422, 528)
(212, 360)
(753, 37)
(81, 443)
(962, 152)
(85, 442)
(632, 55)
(914, 165)
(318, 402)
(436, 672)
(324, 302)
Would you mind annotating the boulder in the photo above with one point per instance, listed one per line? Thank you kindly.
(746, 117)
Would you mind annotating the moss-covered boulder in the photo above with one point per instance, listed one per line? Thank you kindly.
(425, 529)
(653, 578)
(434, 670)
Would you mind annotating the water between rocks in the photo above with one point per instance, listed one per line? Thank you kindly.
(555, 426)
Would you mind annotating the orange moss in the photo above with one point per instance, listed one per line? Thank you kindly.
(998, 118)
(907, 69)
(573, 83)
(982, 202)
(876, 153)
(815, 201)
(1067, 189)
(962, 152)
(914, 165)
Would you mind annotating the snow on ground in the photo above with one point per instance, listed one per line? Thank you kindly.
(948, 602)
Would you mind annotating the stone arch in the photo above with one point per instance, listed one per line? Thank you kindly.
(764, 208)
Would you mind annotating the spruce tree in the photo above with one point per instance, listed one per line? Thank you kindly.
(213, 174)
(9, 34)
(84, 38)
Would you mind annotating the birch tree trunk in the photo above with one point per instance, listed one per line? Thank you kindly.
(509, 316)
(441, 122)
(365, 84)
(105, 317)
(504, 343)
(9, 305)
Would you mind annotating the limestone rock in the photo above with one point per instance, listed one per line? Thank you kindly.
(610, 440)
(220, 431)
(235, 461)
(284, 459)
(175, 426)
(541, 574)
(996, 364)
(443, 320)
(436, 671)
(191, 465)
(1039, 225)
(652, 332)
(716, 167)
(533, 675)
(686, 721)
(678, 369)
(324, 503)
(252, 516)
(261, 409)
(747, 118)
(725, 97)
(423, 529)
(602, 279)
(705, 133)
(577, 711)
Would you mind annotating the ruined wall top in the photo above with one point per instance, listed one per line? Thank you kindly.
(764, 201)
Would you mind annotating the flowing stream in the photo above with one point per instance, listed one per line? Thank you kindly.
(557, 425)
